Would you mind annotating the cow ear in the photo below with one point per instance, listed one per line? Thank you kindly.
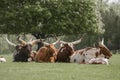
(56, 42)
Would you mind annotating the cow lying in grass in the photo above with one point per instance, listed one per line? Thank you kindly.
(23, 50)
(47, 53)
(92, 55)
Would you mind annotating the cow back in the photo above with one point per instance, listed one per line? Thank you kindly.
(46, 54)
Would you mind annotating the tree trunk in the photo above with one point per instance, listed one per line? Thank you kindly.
(39, 36)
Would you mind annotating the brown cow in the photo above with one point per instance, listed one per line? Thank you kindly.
(64, 53)
(66, 50)
(46, 53)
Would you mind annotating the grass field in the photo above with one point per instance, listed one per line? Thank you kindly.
(59, 71)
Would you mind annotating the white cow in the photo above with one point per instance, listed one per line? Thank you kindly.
(92, 55)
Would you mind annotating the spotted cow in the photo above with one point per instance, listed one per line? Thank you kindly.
(83, 56)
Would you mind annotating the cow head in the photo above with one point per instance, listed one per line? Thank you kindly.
(104, 50)
(64, 53)
(23, 50)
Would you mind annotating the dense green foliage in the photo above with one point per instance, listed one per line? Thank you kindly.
(60, 71)
(49, 16)
(61, 17)
(111, 19)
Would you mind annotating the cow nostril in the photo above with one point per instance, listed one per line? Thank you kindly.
(74, 60)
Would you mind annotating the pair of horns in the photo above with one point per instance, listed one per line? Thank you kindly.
(74, 42)
(54, 43)
(32, 42)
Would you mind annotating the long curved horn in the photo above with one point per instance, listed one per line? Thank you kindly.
(78, 41)
(56, 42)
(75, 42)
(101, 43)
(35, 41)
(10, 42)
(45, 43)
(63, 42)
(30, 40)
(21, 41)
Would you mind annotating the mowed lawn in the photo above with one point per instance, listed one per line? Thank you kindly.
(59, 71)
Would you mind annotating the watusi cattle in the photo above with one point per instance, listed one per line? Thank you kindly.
(47, 53)
(64, 53)
(23, 50)
(83, 56)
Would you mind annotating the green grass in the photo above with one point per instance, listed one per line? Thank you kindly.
(59, 71)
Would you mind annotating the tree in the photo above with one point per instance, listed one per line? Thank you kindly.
(48, 16)
(44, 17)
(111, 19)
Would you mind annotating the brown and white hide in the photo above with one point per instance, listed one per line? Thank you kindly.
(83, 56)
(101, 60)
